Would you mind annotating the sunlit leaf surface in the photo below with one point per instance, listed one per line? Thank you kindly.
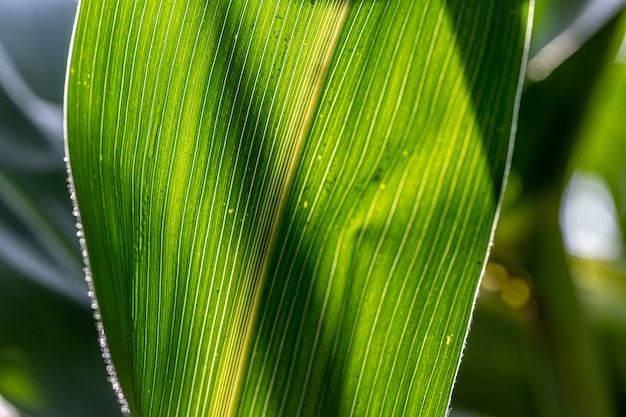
(287, 204)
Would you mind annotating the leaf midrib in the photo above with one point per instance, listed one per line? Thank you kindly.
(303, 130)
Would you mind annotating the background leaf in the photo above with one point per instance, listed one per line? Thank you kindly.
(50, 363)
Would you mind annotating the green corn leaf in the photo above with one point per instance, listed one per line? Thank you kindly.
(288, 204)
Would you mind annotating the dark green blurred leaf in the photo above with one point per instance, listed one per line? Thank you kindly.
(50, 362)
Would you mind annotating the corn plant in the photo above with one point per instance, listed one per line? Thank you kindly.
(285, 208)
(287, 205)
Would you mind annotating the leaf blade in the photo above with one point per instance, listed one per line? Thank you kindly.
(184, 300)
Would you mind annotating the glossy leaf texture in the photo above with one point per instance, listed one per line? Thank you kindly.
(287, 204)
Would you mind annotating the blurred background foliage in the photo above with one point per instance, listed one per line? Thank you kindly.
(549, 332)
(50, 362)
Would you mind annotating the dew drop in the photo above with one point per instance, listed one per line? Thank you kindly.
(102, 340)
